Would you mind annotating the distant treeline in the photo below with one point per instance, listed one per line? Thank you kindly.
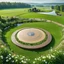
(58, 7)
(7, 5)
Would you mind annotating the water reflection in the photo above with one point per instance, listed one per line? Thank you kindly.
(49, 13)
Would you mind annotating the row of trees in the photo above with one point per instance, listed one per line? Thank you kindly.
(6, 5)
(59, 8)
(7, 22)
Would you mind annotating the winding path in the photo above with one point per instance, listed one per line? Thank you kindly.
(61, 25)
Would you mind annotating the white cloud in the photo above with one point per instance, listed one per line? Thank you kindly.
(34, 1)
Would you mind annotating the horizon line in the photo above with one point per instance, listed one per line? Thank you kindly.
(31, 2)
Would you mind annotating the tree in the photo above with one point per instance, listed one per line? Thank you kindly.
(7, 5)
(34, 10)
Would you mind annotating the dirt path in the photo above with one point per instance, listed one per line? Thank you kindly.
(59, 24)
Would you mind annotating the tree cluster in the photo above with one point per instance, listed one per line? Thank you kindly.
(34, 10)
(7, 5)
(59, 8)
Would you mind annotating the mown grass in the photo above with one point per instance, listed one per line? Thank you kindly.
(59, 19)
(13, 12)
(23, 13)
(55, 31)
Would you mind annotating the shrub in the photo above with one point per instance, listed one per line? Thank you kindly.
(57, 57)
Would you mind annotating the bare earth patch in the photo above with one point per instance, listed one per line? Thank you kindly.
(31, 35)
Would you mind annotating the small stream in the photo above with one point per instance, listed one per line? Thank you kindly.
(19, 24)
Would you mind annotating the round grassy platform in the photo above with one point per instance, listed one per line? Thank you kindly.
(31, 35)
(31, 38)
(54, 29)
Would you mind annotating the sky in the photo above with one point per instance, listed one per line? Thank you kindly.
(34, 1)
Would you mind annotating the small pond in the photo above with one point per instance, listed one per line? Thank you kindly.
(19, 24)
(49, 13)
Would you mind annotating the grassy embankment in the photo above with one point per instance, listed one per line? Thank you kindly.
(55, 30)
(52, 28)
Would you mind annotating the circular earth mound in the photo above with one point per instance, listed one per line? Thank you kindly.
(31, 38)
(31, 35)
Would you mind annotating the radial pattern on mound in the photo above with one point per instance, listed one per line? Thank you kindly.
(31, 35)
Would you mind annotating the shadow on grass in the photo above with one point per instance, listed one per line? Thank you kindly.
(52, 43)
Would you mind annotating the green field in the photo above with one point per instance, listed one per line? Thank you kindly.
(52, 28)
(13, 12)
(23, 13)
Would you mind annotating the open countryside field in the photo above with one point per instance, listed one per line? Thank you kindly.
(35, 53)
(23, 13)
(13, 12)
(13, 17)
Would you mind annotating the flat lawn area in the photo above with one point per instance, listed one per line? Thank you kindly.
(25, 14)
(59, 19)
(62, 13)
(54, 29)
(13, 12)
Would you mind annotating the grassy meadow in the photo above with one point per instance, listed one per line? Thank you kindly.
(54, 29)
(36, 53)
(13, 12)
(23, 13)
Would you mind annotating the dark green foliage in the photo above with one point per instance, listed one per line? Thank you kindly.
(62, 8)
(34, 10)
(7, 5)
(52, 7)
(7, 57)
(58, 7)
(57, 57)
